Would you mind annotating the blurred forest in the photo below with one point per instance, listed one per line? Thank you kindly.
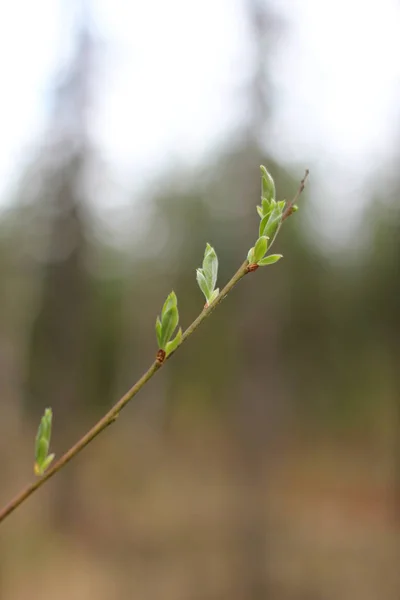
(264, 460)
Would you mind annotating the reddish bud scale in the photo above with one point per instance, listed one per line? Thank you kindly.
(160, 356)
(252, 267)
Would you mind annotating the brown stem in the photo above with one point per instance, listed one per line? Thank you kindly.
(289, 208)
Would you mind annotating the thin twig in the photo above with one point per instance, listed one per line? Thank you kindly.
(113, 413)
(289, 208)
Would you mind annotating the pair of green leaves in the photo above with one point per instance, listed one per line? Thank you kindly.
(257, 256)
(42, 457)
(166, 326)
(207, 275)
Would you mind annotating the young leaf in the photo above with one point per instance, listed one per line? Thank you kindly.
(260, 248)
(263, 224)
(47, 462)
(158, 331)
(45, 424)
(266, 207)
(269, 260)
(260, 212)
(169, 303)
(42, 448)
(271, 226)
(173, 344)
(201, 280)
(210, 267)
(42, 442)
(267, 185)
(213, 296)
(44, 429)
(169, 322)
(250, 256)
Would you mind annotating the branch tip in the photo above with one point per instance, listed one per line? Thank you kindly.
(289, 209)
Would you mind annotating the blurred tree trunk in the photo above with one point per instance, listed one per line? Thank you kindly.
(59, 339)
(59, 335)
(257, 346)
(259, 397)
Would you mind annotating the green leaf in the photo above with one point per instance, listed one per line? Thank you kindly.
(40, 468)
(42, 442)
(169, 303)
(271, 227)
(210, 267)
(158, 331)
(202, 282)
(250, 256)
(168, 325)
(173, 344)
(213, 296)
(267, 185)
(263, 224)
(269, 260)
(47, 462)
(266, 206)
(42, 448)
(260, 248)
(45, 424)
(38, 438)
(44, 433)
(260, 212)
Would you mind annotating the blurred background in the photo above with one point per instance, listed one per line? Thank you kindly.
(264, 460)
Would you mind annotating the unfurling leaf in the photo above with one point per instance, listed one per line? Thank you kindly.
(260, 248)
(173, 344)
(169, 303)
(210, 267)
(270, 226)
(202, 282)
(207, 276)
(281, 204)
(213, 296)
(42, 443)
(166, 326)
(158, 331)
(267, 185)
(263, 224)
(269, 260)
(47, 462)
(267, 207)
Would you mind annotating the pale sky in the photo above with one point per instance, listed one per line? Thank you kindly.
(171, 69)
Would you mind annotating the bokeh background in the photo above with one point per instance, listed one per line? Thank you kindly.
(264, 460)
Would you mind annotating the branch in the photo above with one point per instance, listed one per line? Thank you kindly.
(162, 357)
(289, 210)
(113, 413)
